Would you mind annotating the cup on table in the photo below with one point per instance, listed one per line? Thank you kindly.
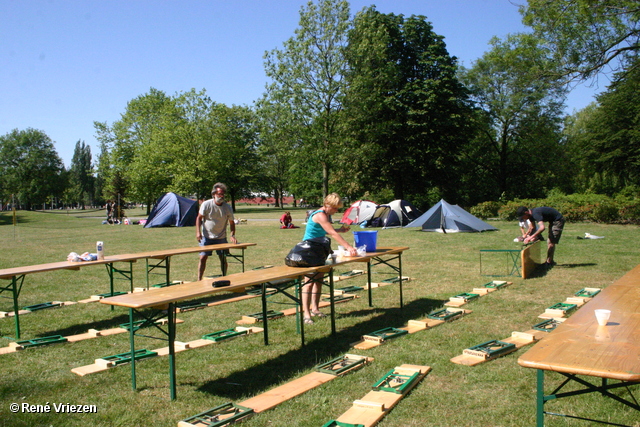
(602, 316)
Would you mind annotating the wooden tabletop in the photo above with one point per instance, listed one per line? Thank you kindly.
(9, 273)
(580, 346)
(170, 294)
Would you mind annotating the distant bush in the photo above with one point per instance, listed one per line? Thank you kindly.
(486, 210)
(574, 207)
(507, 212)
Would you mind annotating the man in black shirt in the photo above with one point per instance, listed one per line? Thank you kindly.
(540, 216)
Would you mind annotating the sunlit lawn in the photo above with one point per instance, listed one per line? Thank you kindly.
(498, 393)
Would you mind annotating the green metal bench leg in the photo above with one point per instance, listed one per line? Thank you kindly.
(299, 286)
(264, 314)
(132, 345)
(172, 352)
(332, 304)
(400, 276)
(369, 282)
(16, 294)
(540, 399)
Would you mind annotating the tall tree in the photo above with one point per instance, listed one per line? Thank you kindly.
(586, 36)
(308, 77)
(279, 136)
(211, 142)
(30, 167)
(404, 107)
(606, 138)
(518, 118)
(81, 179)
(134, 144)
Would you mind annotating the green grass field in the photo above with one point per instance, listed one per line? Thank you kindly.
(497, 393)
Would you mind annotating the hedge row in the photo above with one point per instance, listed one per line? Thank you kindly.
(575, 208)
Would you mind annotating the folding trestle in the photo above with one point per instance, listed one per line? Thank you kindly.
(192, 306)
(152, 319)
(109, 294)
(282, 287)
(547, 325)
(219, 416)
(588, 387)
(43, 305)
(466, 296)
(348, 289)
(40, 341)
(261, 315)
(224, 335)
(341, 364)
(15, 286)
(587, 292)
(396, 269)
(239, 259)
(395, 382)
(561, 309)
(382, 335)
(490, 349)
(118, 359)
(445, 314)
(163, 264)
(112, 271)
(496, 284)
(338, 298)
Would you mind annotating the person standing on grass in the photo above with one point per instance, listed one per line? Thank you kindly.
(211, 227)
(318, 225)
(539, 216)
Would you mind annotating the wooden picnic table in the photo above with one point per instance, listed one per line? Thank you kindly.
(165, 299)
(16, 275)
(580, 347)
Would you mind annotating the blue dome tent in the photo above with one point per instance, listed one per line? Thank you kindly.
(173, 210)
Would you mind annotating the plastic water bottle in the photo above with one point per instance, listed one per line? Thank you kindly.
(100, 250)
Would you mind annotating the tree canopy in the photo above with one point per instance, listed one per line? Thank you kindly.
(518, 120)
(30, 168)
(308, 78)
(586, 36)
(404, 107)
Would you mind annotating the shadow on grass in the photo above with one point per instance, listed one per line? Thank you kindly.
(113, 322)
(273, 371)
(586, 264)
(542, 270)
(7, 219)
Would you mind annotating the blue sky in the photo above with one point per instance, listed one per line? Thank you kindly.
(67, 63)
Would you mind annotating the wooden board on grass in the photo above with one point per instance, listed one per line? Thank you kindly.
(101, 365)
(519, 339)
(530, 258)
(375, 405)
(412, 326)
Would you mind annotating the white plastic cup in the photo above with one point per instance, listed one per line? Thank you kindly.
(602, 316)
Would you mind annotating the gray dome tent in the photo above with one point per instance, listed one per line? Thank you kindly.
(446, 218)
